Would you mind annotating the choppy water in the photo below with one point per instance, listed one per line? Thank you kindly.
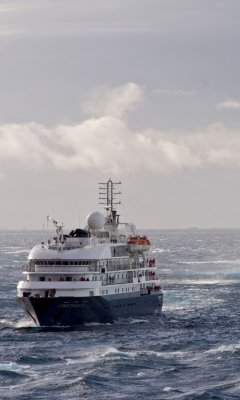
(191, 351)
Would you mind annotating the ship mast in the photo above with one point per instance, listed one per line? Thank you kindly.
(107, 197)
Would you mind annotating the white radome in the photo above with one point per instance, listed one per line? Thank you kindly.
(94, 241)
(95, 220)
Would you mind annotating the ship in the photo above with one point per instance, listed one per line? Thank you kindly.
(98, 274)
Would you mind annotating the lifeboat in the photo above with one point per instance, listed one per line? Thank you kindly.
(137, 243)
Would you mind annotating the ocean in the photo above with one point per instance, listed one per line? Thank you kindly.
(189, 351)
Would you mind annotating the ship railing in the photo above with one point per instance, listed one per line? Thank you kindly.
(117, 252)
(115, 282)
(28, 268)
(120, 267)
(68, 269)
(151, 277)
(54, 247)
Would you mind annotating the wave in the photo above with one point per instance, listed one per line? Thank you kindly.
(210, 262)
(23, 323)
(16, 251)
(224, 348)
(13, 367)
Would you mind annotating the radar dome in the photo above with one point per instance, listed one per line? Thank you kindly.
(94, 241)
(96, 220)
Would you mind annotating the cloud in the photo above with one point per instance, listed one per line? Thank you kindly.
(106, 143)
(115, 102)
(229, 104)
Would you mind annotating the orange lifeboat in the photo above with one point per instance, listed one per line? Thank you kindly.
(133, 240)
(138, 243)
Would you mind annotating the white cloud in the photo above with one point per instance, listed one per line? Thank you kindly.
(106, 143)
(115, 102)
(229, 104)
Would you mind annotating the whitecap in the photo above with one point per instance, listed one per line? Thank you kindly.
(230, 348)
(10, 367)
(138, 321)
(24, 323)
(140, 374)
(167, 389)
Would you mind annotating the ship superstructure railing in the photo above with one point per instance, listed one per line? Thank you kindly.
(28, 268)
(152, 277)
(85, 266)
(112, 281)
(55, 247)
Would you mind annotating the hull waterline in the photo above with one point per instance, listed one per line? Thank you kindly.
(72, 311)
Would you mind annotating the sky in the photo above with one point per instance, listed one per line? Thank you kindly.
(145, 92)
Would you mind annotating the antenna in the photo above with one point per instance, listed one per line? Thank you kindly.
(59, 231)
(107, 197)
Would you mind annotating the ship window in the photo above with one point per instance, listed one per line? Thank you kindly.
(126, 289)
(91, 293)
(122, 275)
(50, 262)
(106, 291)
(95, 278)
(80, 263)
(42, 278)
(65, 262)
(75, 263)
(132, 288)
(68, 278)
(122, 290)
(115, 290)
(71, 262)
(101, 277)
(92, 278)
(118, 290)
(58, 263)
(103, 291)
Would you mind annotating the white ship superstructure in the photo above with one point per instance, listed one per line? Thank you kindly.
(97, 274)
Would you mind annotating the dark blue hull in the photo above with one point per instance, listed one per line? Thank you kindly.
(72, 311)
